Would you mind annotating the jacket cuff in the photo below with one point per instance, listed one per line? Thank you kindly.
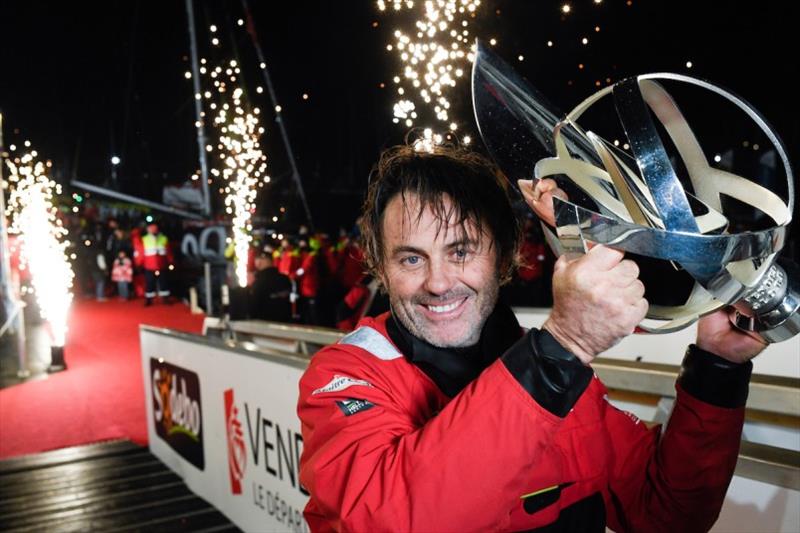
(714, 380)
(553, 377)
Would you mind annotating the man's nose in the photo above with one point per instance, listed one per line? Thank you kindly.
(440, 278)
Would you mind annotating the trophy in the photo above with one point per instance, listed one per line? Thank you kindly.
(669, 209)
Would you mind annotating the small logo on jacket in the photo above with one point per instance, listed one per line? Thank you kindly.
(352, 406)
(339, 383)
(237, 453)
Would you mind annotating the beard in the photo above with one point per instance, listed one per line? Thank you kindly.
(459, 332)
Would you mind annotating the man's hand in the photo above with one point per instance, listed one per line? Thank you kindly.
(540, 197)
(598, 298)
(597, 301)
(716, 334)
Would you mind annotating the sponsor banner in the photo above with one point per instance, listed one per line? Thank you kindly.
(177, 415)
(251, 440)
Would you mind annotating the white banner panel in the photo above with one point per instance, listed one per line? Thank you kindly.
(224, 419)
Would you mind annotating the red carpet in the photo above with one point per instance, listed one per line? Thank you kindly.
(101, 395)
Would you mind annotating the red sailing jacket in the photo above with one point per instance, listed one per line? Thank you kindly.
(311, 280)
(386, 450)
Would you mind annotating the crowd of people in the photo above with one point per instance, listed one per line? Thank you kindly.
(313, 280)
(306, 278)
(135, 262)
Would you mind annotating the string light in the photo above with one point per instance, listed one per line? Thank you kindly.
(240, 161)
(435, 56)
(43, 240)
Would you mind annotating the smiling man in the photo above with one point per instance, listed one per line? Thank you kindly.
(443, 415)
(443, 278)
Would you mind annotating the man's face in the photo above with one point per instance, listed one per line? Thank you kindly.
(442, 285)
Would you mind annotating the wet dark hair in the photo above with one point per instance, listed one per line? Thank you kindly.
(479, 194)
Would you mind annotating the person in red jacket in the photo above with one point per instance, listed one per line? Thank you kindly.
(311, 275)
(443, 415)
(351, 267)
(156, 259)
(290, 259)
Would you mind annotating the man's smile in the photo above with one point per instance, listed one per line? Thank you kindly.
(444, 311)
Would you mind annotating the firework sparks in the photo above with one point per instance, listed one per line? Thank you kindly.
(43, 240)
(241, 163)
(428, 141)
(434, 57)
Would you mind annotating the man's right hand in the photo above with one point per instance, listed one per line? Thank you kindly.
(597, 301)
(539, 197)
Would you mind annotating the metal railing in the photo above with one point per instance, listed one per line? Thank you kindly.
(291, 338)
(773, 394)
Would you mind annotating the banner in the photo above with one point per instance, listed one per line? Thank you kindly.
(224, 419)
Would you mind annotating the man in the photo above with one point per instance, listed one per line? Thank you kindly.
(157, 258)
(443, 416)
(269, 293)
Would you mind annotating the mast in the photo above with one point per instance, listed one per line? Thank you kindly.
(198, 110)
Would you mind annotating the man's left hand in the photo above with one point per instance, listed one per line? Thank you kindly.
(717, 334)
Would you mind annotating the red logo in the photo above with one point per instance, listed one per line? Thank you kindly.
(237, 453)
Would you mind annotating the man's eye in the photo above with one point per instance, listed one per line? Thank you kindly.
(411, 260)
(460, 254)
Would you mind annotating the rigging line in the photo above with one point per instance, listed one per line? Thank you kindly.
(251, 29)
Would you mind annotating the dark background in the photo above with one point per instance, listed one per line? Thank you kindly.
(85, 80)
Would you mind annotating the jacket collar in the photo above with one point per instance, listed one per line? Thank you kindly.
(452, 369)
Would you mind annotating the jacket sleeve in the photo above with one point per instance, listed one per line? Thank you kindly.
(388, 468)
(676, 479)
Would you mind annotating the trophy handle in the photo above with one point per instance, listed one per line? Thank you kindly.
(772, 310)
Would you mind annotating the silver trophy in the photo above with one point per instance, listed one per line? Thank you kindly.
(632, 198)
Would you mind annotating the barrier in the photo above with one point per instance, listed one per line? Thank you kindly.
(251, 435)
(222, 416)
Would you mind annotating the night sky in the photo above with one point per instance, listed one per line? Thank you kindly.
(85, 80)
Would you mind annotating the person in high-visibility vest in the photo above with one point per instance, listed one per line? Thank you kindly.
(157, 259)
